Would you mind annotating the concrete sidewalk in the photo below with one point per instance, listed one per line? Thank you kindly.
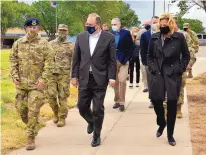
(129, 133)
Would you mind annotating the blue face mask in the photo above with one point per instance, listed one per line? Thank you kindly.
(147, 27)
(115, 28)
(91, 29)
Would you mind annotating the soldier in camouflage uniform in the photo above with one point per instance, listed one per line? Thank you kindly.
(58, 85)
(195, 43)
(31, 58)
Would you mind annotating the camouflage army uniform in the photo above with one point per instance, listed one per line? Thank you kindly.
(194, 42)
(58, 85)
(184, 75)
(31, 62)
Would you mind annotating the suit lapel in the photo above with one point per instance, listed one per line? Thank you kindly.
(86, 38)
(120, 37)
(101, 39)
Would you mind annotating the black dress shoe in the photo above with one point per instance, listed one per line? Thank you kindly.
(90, 128)
(160, 131)
(121, 108)
(96, 142)
(145, 90)
(116, 105)
(172, 141)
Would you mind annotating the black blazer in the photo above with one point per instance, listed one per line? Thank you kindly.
(102, 61)
(166, 65)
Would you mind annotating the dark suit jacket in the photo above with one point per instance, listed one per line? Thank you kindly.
(102, 61)
(144, 44)
(125, 46)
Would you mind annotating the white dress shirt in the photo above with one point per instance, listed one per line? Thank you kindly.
(93, 39)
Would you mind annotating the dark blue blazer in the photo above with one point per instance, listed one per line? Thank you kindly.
(124, 47)
(144, 44)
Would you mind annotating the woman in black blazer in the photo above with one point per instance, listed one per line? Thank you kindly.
(167, 59)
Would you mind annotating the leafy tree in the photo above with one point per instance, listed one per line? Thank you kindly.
(196, 25)
(13, 14)
(72, 13)
(128, 16)
(185, 6)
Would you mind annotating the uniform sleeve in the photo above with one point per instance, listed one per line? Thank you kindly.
(196, 42)
(71, 48)
(191, 49)
(48, 63)
(185, 54)
(14, 62)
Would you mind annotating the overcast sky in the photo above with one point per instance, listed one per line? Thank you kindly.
(144, 10)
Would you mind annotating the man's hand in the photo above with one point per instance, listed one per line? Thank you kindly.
(40, 85)
(189, 67)
(75, 82)
(16, 82)
(112, 83)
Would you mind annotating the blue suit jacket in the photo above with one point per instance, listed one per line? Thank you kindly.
(144, 44)
(124, 47)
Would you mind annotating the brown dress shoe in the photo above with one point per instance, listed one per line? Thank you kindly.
(116, 105)
(121, 108)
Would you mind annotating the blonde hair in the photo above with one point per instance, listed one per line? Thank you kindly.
(171, 22)
(132, 31)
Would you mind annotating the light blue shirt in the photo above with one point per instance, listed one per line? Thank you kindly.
(117, 36)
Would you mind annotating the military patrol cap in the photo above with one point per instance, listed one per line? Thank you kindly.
(63, 27)
(186, 25)
(31, 22)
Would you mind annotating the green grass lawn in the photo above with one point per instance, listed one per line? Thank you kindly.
(13, 133)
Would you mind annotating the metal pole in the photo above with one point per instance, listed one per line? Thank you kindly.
(153, 7)
(168, 7)
(164, 5)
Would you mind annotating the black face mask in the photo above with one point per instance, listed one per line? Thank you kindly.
(147, 27)
(185, 29)
(165, 30)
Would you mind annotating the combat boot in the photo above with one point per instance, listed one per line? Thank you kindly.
(190, 74)
(55, 118)
(61, 123)
(179, 113)
(30, 143)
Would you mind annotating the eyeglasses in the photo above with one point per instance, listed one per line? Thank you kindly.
(114, 24)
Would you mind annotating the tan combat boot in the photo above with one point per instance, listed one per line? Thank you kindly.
(30, 143)
(55, 118)
(179, 113)
(61, 122)
(190, 74)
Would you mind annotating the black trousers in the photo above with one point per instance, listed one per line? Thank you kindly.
(96, 94)
(131, 70)
(171, 115)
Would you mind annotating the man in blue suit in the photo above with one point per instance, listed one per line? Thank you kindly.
(124, 44)
(144, 44)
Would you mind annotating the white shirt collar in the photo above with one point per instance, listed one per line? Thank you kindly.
(96, 35)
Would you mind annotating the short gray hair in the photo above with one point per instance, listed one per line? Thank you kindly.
(117, 19)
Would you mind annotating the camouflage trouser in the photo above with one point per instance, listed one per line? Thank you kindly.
(28, 104)
(181, 97)
(57, 94)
